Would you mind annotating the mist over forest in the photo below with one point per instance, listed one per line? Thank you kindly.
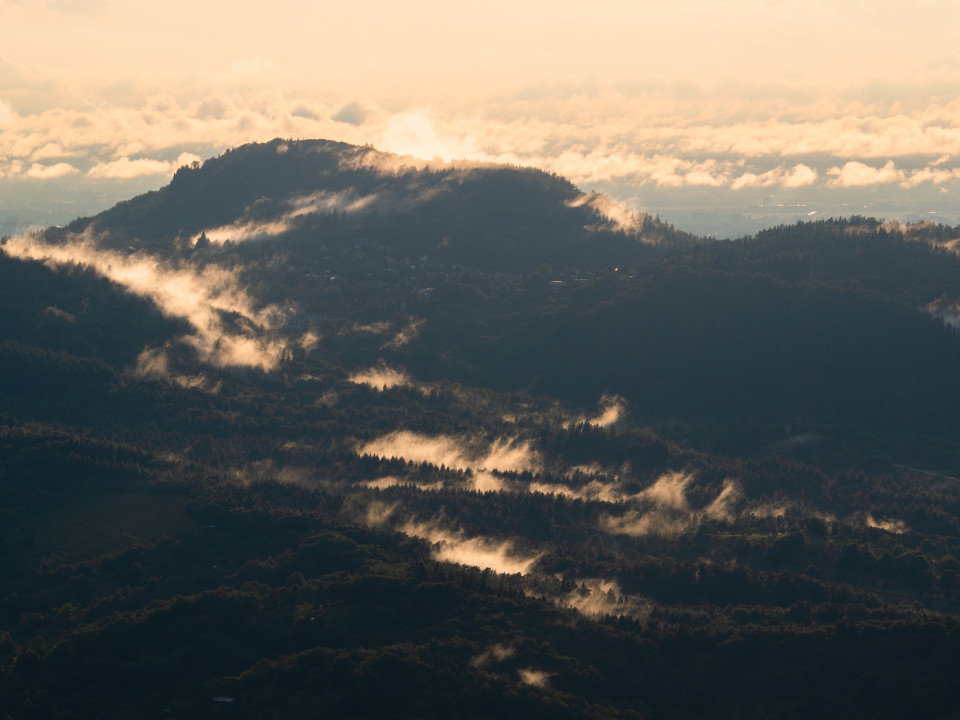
(320, 429)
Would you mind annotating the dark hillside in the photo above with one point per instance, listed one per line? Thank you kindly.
(75, 310)
(860, 254)
(331, 435)
(508, 219)
(812, 330)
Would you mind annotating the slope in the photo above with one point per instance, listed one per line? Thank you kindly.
(308, 194)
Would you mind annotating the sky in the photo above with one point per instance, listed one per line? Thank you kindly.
(720, 116)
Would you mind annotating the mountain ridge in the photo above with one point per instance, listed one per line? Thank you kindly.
(306, 190)
(275, 453)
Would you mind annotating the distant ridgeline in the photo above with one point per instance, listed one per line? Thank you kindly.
(320, 429)
(311, 194)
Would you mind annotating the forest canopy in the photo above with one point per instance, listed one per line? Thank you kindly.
(307, 430)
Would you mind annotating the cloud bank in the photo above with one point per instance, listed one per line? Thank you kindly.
(641, 136)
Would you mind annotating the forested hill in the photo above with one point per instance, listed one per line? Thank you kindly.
(316, 429)
(311, 195)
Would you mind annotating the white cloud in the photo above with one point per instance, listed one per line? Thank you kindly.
(593, 490)
(665, 510)
(380, 377)
(897, 527)
(598, 597)
(933, 175)
(800, 176)
(535, 678)
(7, 115)
(857, 174)
(502, 455)
(413, 133)
(125, 168)
(723, 506)
(617, 217)
(455, 547)
(391, 481)
(346, 201)
(668, 491)
(703, 177)
(50, 151)
(49, 172)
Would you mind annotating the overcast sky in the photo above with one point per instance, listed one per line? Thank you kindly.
(646, 100)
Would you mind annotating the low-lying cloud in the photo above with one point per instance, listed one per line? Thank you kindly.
(948, 312)
(380, 377)
(201, 296)
(668, 491)
(616, 216)
(595, 490)
(406, 334)
(494, 654)
(456, 547)
(267, 471)
(597, 597)
(453, 545)
(503, 455)
(897, 527)
(611, 410)
(535, 678)
(591, 597)
(638, 523)
(389, 481)
(154, 364)
(664, 508)
(377, 514)
(346, 201)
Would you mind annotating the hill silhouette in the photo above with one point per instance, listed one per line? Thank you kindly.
(316, 428)
(305, 194)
